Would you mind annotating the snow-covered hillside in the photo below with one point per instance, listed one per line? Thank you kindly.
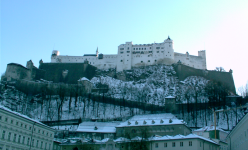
(151, 84)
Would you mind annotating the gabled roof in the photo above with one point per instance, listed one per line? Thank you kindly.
(98, 127)
(23, 116)
(178, 137)
(237, 126)
(151, 120)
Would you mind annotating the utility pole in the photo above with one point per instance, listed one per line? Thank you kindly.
(223, 110)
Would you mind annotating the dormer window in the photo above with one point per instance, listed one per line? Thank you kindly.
(161, 121)
(153, 121)
(144, 122)
(128, 122)
(136, 122)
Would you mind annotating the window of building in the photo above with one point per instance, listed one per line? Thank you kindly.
(169, 45)
(121, 60)
(181, 144)
(9, 136)
(21, 124)
(200, 144)
(141, 61)
(11, 121)
(37, 143)
(148, 60)
(133, 48)
(165, 144)
(50, 135)
(6, 119)
(3, 134)
(173, 144)
(157, 51)
(34, 129)
(41, 144)
(156, 145)
(28, 141)
(33, 142)
(128, 48)
(121, 48)
(38, 131)
(144, 48)
(136, 48)
(30, 128)
(19, 139)
(157, 47)
(150, 51)
(14, 138)
(162, 47)
(139, 48)
(150, 47)
(23, 140)
(190, 143)
(128, 51)
(43, 132)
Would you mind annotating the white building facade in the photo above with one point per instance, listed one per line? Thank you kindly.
(20, 132)
(130, 55)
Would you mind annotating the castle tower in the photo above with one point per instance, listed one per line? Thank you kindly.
(29, 64)
(97, 52)
(202, 54)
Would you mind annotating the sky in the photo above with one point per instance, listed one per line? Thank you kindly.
(33, 29)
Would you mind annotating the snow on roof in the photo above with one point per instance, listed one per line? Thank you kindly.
(170, 96)
(84, 79)
(99, 127)
(151, 119)
(190, 136)
(21, 115)
(209, 128)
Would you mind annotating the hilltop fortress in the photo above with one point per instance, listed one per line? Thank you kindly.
(138, 55)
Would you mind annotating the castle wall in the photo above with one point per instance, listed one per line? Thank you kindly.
(130, 55)
(75, 71)
(31, 87)
(225, 78)
(17, 71)
(198, 62)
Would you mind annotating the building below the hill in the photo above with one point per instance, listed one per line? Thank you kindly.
(178, 142)
(21, 132)
(130, 55)
(152, 124)
(238, 138)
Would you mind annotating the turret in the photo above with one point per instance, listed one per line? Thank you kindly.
(55, 53)
(97, 52)
(29, 64)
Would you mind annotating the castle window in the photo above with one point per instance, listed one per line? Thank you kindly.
(104, 64)
(136, 48)
(133, 48)
(145, 48)
(157, 47)
(150, 47)
(141, 61)
(121, 52)
(162, 51)
(150, 51)
(121, 60)
(142, 48)
(148, 60)
(128, 51)
(128, 48)
(121, 48)
(157, 51)
(162, 47)
(139, 48)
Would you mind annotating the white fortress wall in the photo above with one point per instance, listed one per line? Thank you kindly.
(137, 55)
(193, 61)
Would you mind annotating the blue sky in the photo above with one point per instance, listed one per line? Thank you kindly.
(32, 29)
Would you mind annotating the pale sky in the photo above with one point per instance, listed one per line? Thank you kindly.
(32, 29)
